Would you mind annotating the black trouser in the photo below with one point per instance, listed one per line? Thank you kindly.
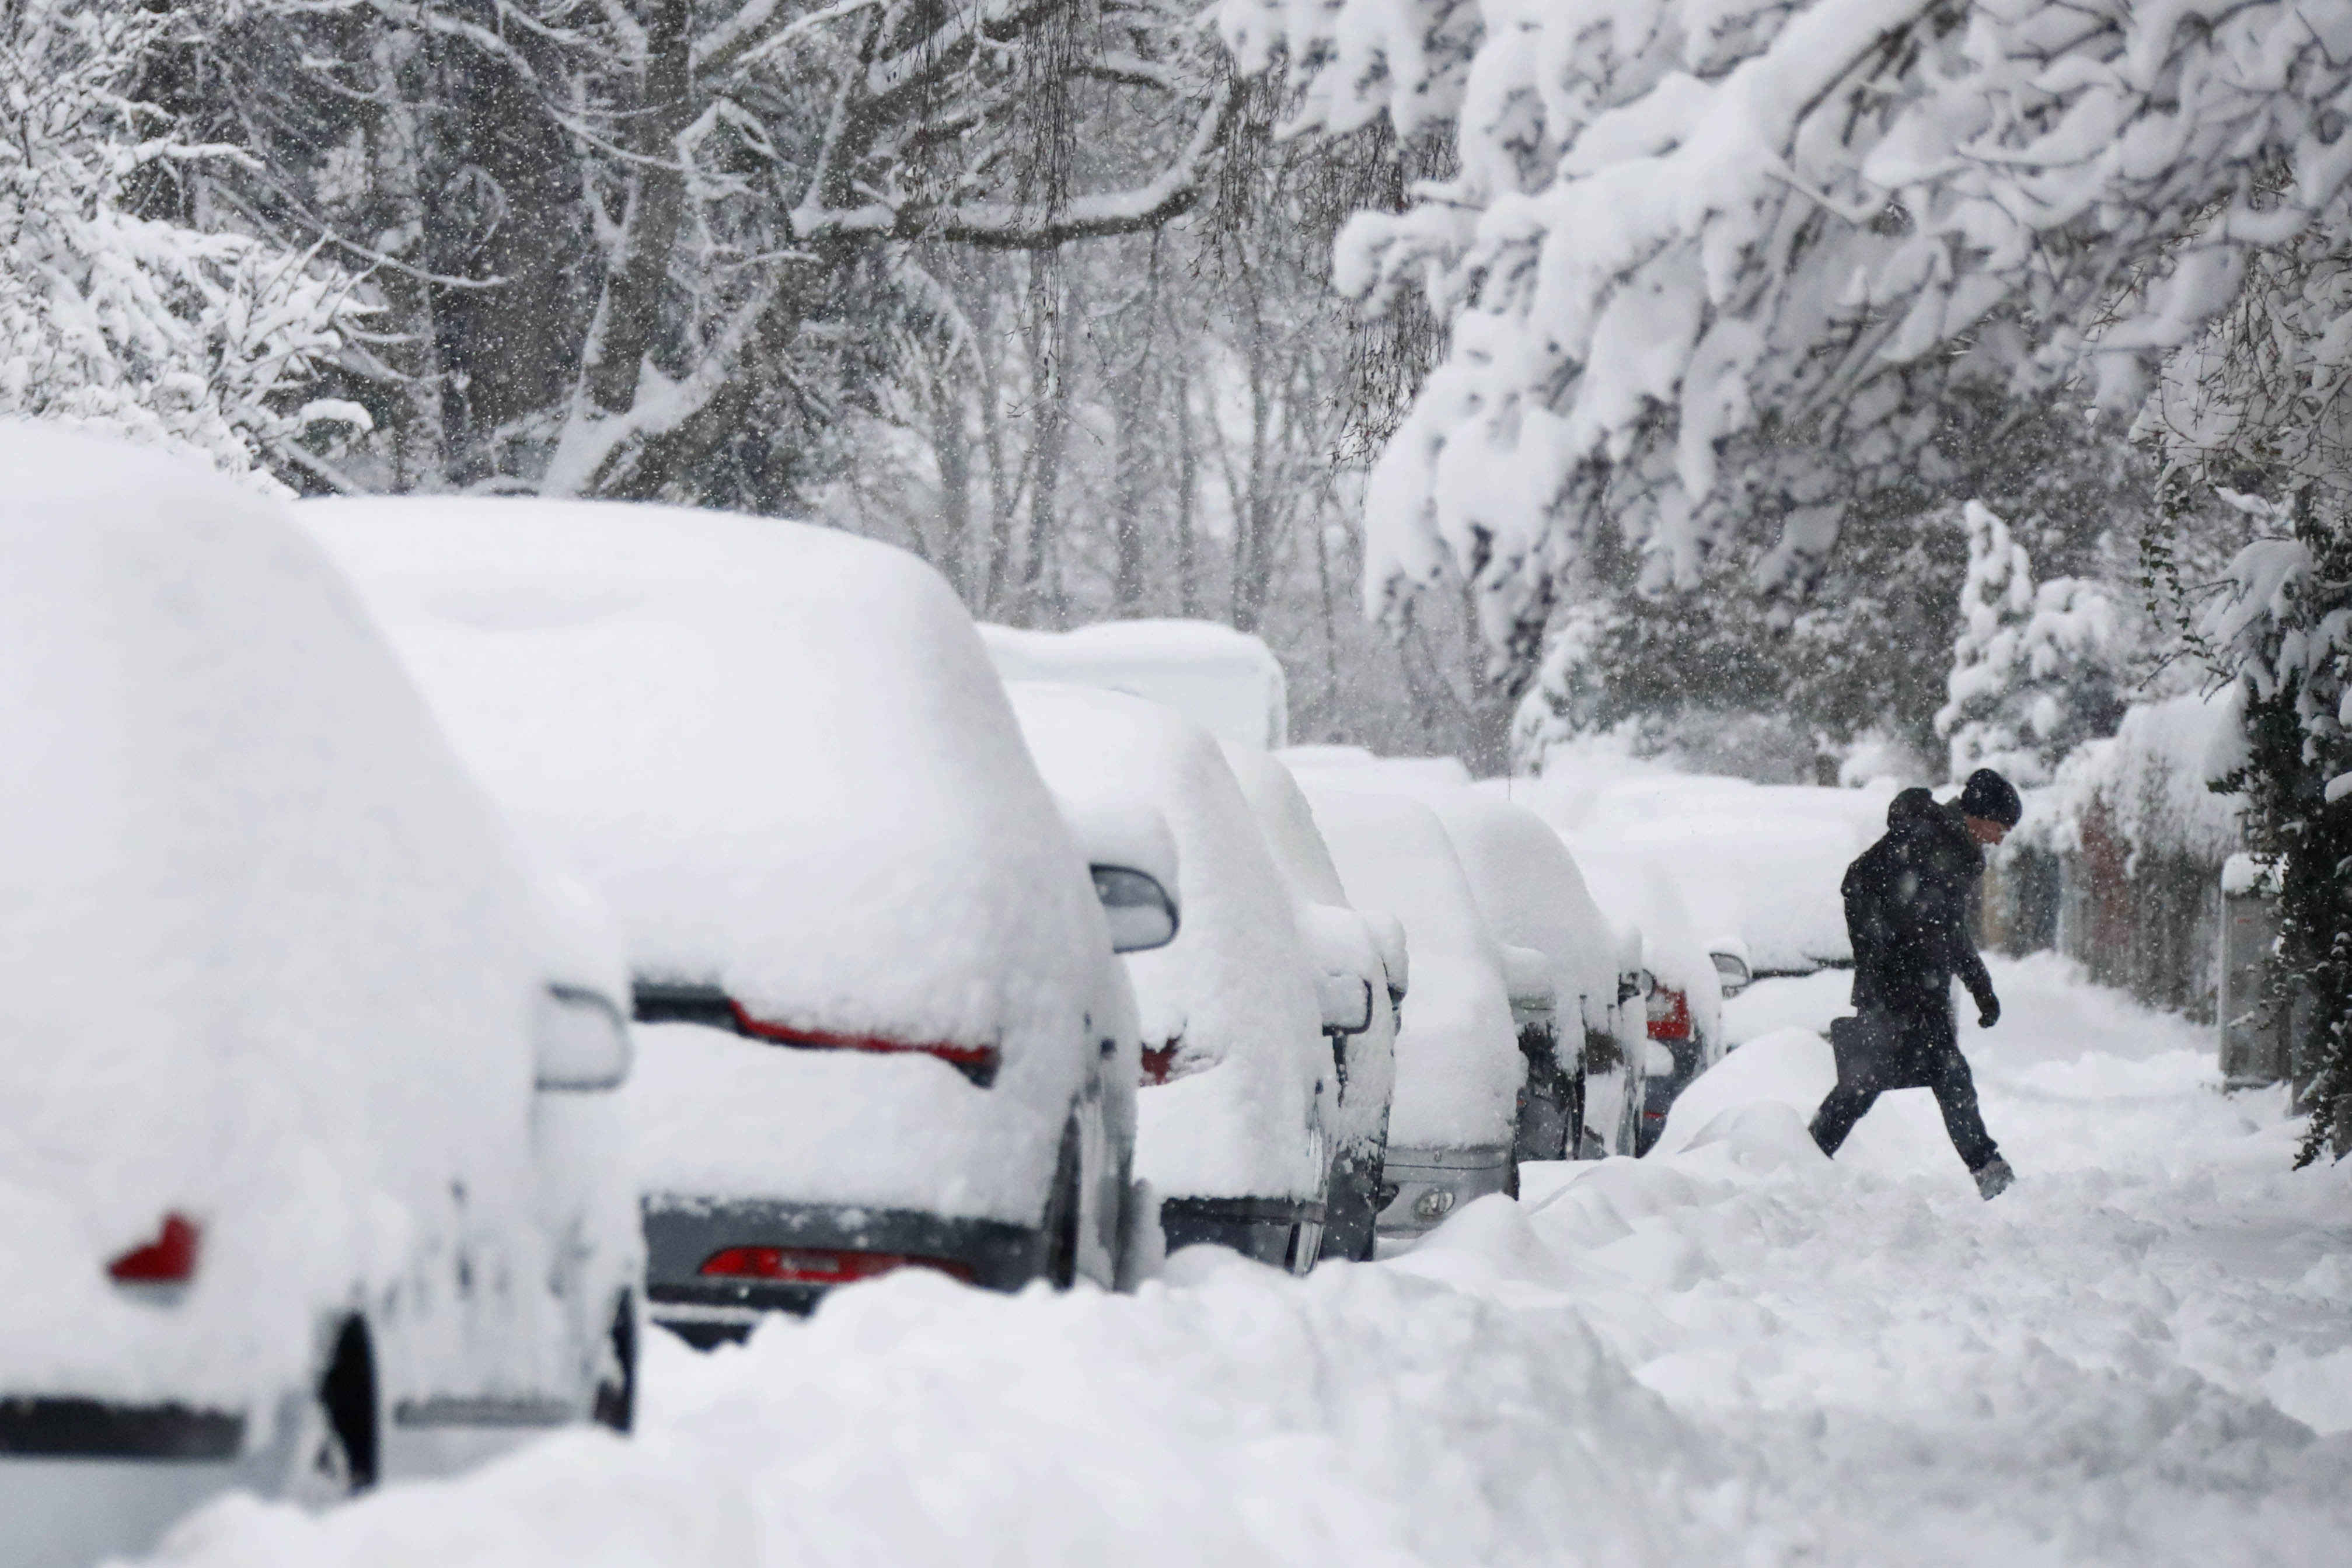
(1955, 1089)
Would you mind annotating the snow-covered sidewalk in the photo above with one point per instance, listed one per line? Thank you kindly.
(1733, 1351)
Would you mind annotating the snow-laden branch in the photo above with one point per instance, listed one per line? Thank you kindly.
(1011, 225)
(1687, 235)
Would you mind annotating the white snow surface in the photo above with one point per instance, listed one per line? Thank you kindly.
(1458, 1065)
(268, 955)
(1732, 1353)
(1235, 986)
(780, 753)
(1227, 680)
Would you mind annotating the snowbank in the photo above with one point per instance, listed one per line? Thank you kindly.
(1458, 1064)
(1227, 681)
(1244, 1113)
(1734, 1353)
(780, 751)
(267, 956)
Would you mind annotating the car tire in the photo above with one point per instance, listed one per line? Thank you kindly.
(335, 1452)
(1064, 1211)
(615, 1403)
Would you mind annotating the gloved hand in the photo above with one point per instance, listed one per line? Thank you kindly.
(1988, 1011)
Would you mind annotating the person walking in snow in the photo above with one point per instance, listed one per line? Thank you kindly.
(1906, 902)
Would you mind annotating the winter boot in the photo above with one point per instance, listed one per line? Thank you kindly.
(1993, 1177)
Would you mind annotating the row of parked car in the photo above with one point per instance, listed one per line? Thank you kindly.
(444, 934)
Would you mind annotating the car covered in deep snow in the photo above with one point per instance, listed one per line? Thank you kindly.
(879, 1024)
(309, 1166)
(1361, 980)
(1584, 1074)
(1459, 1071)
(1567, 970)
(1680, 979)
(1239, 1092)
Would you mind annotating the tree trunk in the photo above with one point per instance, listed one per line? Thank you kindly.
(628, 325)
(951, 443)
(1188, 496)
(1050, 399)
(396, 150)
(1130, 391)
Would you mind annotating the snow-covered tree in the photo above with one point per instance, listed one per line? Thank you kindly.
(2283, 625)
(115, 312)
(2033, 670)
(1702, 259)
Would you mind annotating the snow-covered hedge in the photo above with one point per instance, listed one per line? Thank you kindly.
(2150, 780)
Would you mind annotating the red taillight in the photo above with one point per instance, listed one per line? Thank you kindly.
(1157, 1062)
(977, 1062)
(1669, 1015)
(817, 1265)
(169, 1259)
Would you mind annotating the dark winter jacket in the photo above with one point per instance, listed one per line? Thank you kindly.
(1906, 909)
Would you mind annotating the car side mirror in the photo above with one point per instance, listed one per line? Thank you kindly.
(581, 1042)
(1731, 970)
(1141, 914)
(1346, 1002)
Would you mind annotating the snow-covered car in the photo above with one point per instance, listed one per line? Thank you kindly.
(1239, 1093)
(1681, 987)
(1227, 680)
(1584, 1071)
(1361, 980)
(1458, 1067)
(872, 975)
(1563, 967)
(301, 1056)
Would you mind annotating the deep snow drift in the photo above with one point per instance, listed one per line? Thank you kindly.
(1730, 1353)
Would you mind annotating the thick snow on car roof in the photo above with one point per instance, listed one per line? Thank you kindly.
(780, 753)
(1234, 986)
(778, 748)
(1458, 1065)
(267, 956)
(1227, 680)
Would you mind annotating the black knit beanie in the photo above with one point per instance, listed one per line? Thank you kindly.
(1990, 797)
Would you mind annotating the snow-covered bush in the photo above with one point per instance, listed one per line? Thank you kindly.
(2032, 676)
(1705, 258)
(109, 316)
